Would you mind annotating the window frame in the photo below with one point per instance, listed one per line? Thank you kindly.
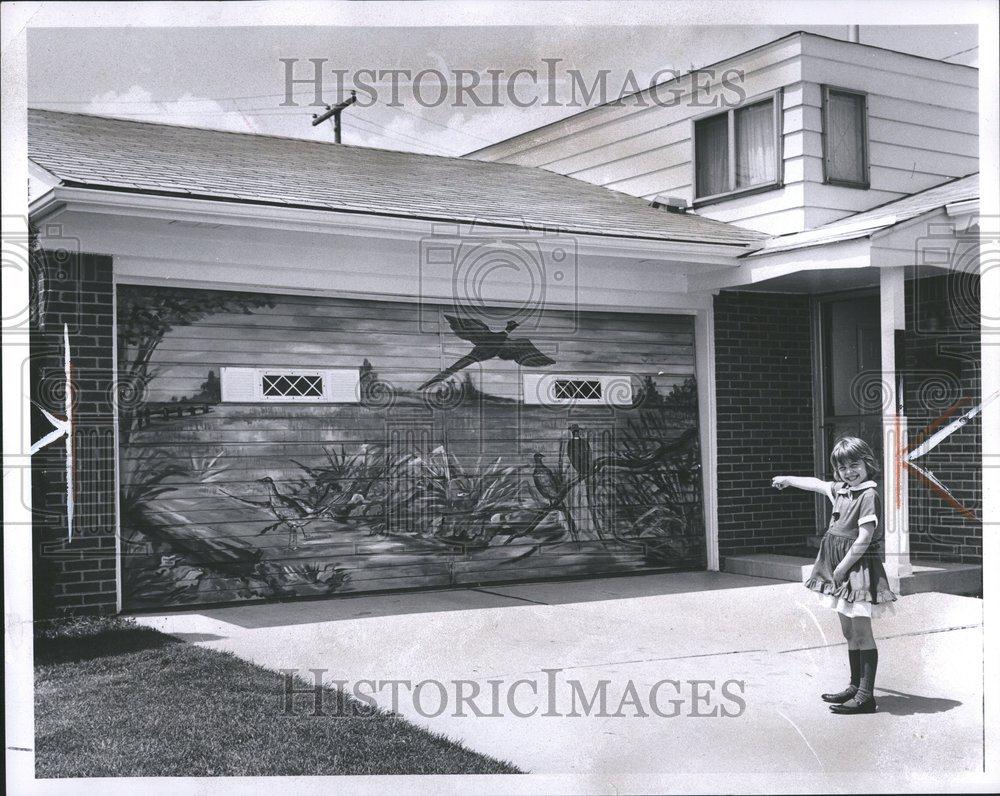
(339, 385)
(865, 184)
(538, 389)
(262, 373)
(777, 119)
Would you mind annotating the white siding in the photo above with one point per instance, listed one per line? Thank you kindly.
(562, 138)
(923, 131)
(646, 151)
(237, 258)
(922, 122)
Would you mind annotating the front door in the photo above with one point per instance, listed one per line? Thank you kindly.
(849, 368)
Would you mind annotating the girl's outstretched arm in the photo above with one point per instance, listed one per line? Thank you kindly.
(807, 483)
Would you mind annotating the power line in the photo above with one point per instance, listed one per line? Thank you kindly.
(335, 113)
(379, 129)
(190, 99)
(386, 132)
(960, 52)
(260, 112)
(279, 109)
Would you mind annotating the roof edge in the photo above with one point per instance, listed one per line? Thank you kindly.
(82, 192)
(246, 133)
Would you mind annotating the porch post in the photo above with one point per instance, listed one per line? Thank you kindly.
(895, 505)
(704, 347)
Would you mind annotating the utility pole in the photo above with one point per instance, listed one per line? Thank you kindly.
(335, 112)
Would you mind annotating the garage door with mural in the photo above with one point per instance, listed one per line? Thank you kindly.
(280, 446)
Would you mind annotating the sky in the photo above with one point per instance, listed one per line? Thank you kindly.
(234, 78)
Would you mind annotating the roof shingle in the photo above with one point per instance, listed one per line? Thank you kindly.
(166, 159)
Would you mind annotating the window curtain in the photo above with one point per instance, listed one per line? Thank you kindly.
(755, 155)
(712, 155)
(845, 138)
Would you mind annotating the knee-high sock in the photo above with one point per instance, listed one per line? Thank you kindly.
(869, 664)
(855, 658)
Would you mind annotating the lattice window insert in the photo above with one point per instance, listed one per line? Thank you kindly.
(577, 389)
(290, 385)
(287, 385)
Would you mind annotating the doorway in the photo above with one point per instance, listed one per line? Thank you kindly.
(848, 394)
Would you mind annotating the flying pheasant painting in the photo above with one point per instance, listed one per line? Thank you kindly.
(487, 344)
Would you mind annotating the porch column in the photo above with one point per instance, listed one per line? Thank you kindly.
(895, 506)
(704, 349)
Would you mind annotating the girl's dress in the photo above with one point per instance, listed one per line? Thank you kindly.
(865, 591)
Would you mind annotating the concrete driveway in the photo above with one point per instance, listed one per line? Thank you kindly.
(764, 649)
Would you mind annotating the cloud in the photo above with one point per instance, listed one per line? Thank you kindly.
(187, 109)
(397, 131)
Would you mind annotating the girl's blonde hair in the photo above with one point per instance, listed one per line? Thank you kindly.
(853, 449)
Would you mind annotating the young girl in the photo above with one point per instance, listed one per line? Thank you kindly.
(848, 574)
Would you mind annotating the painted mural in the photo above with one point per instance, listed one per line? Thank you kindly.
(439, 473)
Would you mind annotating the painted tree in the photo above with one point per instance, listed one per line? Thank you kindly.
(145, 315)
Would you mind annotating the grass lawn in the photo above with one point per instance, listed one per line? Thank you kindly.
(113, 699)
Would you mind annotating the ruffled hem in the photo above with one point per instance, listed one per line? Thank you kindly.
(856, 609)
(846, 593)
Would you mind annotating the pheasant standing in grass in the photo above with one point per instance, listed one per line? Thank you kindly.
(327, 496)
(581, 458)
(289, 512)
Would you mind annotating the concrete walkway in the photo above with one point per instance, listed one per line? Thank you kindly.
(767, 635)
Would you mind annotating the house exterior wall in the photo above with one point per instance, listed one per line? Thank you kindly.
(923, 124)
(644, 148)
(307, 259)
(765, 420)
(75, 293)
(923, 130)
(944, 368)
(366, 260)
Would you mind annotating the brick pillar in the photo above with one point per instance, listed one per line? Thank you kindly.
(944, 368)
(763, 387)
(74, 293)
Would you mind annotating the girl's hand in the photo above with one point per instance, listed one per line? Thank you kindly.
(839, 575)
(780, 481)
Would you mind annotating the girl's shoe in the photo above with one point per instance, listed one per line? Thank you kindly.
(841, 696)
(853, 706)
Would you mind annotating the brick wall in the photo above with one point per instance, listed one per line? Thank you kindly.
(764, 405)
(943, 366)
(765, 423)
(76, 576)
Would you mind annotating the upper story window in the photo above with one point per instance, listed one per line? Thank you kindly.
(845, 137)
(739, 150)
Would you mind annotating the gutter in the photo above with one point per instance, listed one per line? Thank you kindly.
(820, 237)
(200, 209)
